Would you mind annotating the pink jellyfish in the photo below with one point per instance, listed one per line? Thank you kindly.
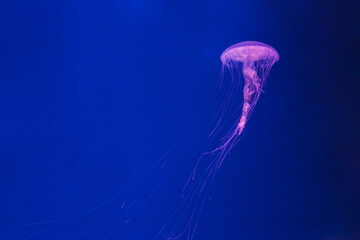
(204, 142)
(252, 60)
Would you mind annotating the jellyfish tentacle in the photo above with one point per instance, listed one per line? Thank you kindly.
(225, 119)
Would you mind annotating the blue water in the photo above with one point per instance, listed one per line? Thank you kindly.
(90, 91)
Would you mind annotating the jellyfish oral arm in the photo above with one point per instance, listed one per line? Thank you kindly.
(252, 85)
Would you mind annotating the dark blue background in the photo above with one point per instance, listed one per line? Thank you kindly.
(91, 90)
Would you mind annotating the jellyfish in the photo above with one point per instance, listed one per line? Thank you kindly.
(252, 60)
(197, 152)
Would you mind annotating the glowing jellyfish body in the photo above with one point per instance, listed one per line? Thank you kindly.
(202, 146)
(256, 59)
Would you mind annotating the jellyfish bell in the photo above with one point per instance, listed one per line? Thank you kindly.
(249, 52)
